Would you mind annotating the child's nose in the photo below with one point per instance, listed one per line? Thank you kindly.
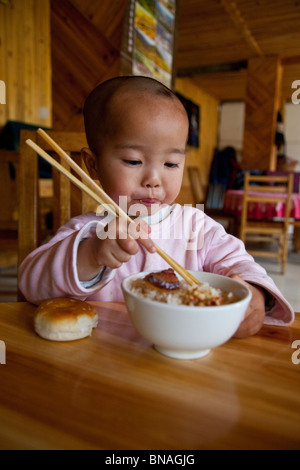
(152, 179)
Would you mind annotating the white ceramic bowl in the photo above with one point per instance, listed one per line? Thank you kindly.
(187, 332)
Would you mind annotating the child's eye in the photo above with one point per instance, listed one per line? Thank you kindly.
(132, 162)
(172, 165)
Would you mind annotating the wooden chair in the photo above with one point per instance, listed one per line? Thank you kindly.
(9, 160)
(67, 200)
(296, 190)
(296, 240)
(196, 185)
(200, 197)
(266, 190)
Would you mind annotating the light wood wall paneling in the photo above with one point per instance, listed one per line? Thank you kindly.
(263, 100)
(208, 135)
(25, 61)
(86, 39)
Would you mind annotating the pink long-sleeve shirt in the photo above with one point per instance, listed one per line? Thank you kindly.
(194, 240)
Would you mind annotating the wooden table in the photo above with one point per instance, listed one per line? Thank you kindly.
(113, 391)
(233, 205)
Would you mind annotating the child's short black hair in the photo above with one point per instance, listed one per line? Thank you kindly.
(96, 108)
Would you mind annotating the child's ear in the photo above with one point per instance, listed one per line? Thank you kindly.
(91, 162)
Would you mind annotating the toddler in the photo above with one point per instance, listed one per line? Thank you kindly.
(137, 132)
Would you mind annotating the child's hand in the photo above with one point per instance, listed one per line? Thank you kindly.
(255, 314)
(122, 243)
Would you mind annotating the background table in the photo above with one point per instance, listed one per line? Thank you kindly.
(233, 205)
(114, 391)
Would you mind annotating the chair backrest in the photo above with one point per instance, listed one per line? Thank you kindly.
(196, 186)
(9, 160)
(265, 190)
(68, 201)
(296, 174)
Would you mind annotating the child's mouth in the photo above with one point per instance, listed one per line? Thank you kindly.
(149, 201)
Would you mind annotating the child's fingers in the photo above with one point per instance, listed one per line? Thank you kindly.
(113, 253)
(128, 234)
(250, 325)
(128, 245)
(131, 246)
(255, 314)
(148, 244)
(140, 231)
(250, 307)
(119, 256)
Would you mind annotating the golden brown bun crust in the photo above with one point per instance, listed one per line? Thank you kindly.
(65, 319)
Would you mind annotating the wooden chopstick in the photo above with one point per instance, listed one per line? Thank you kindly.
(97, 193)
(65, 172)
(89, 181)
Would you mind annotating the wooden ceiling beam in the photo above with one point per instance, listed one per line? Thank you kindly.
(236, 17)
(290, 60)
(216, 68)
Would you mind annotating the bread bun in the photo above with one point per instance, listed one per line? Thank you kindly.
(65, 319)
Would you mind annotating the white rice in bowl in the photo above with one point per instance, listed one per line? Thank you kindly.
(198, 295)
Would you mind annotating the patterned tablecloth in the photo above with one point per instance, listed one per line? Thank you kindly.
(233, 204)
